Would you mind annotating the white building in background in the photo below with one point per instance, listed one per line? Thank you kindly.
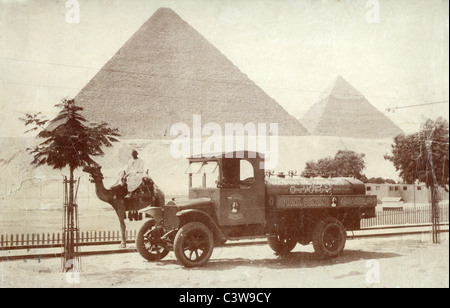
(398, 195)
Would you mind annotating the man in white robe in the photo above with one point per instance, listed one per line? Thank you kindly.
(134, 173)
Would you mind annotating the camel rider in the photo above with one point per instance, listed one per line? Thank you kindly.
(134, 173)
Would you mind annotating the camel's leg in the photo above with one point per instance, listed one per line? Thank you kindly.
(121, 214)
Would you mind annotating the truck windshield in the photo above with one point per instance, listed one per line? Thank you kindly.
(194, 168)
(203, 174)
(202, 167)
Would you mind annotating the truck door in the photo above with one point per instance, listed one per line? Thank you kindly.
(242, 197)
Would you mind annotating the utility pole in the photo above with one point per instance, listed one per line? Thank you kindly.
(432, 184)
(434, 191)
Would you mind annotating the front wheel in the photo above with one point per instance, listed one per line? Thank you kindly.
(193, 244)
(329, 237)
(149, 243)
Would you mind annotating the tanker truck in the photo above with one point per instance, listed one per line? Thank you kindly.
(232, 197)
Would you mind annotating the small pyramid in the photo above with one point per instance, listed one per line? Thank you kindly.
(166, 73)
(341, 89)
(343, 111)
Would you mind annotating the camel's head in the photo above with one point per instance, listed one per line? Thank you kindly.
(94, 171)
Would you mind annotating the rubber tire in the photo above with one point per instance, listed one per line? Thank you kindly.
(180, 240)
(140, 244)
(279, 246)
(318, 237)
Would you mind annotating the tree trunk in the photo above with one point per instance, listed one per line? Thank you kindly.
(71, 186)
(70, 236)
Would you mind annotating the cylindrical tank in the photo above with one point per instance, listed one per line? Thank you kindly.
(313, 186)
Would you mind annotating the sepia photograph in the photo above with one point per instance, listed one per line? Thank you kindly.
(224, 150)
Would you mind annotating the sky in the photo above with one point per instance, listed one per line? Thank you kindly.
(393, 52)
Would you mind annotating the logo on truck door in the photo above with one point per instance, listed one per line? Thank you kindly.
(235, 208)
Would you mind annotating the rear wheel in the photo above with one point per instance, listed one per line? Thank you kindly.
(193, 244)
(329, 237)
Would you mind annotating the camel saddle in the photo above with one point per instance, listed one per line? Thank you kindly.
(141, 197)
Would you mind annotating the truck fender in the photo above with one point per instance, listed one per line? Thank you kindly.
(200, 216)
(155, 213)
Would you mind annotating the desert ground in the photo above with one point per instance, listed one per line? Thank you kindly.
(389, 262)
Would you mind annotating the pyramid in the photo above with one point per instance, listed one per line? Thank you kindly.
(167, 72)
(343, 111)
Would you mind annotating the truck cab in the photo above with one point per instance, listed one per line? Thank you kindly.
(234, 182)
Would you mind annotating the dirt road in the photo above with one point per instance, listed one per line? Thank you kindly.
(400, 261)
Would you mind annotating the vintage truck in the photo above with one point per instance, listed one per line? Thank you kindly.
(232, 197)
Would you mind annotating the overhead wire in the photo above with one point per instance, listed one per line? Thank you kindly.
(417, 105)
(171, 77)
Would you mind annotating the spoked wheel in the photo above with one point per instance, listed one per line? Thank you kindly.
(329, 237)
(193, 244)
(149, 243)
(281, 244)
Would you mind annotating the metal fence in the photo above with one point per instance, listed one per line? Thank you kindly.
(405, 216)
(53, 240)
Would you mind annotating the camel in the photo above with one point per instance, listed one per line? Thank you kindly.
(146, 194)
